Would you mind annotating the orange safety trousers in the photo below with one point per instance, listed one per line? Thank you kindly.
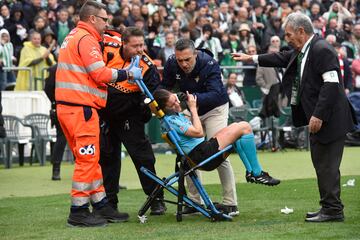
(82, 131)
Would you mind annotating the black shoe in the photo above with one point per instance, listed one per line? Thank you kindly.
(189, 210)
(312, 214)
(55, 177)
(265, 178)
(110, 214)
(56, 174)
(227, 209)
(248, 176)
(83, 218)
(321, 217)
(113, 205)
(157, 207)
(122, 187)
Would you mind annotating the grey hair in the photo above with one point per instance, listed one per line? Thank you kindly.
(183, 44)
(297, 20)
(33, 32)
(330, 37)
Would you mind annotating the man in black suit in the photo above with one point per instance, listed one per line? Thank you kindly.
(313, 82)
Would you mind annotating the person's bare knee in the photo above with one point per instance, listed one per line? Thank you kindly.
(245, 127)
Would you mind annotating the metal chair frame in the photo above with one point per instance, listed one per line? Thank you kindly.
(209, 210)
(39, 124)
(280, 130)
(12, 126)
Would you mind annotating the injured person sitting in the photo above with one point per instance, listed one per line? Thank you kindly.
(195, 146)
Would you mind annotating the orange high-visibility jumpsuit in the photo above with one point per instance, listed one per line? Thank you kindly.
(81, 89)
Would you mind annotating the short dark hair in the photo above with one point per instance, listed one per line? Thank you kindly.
(63, 9)
(183, 44)
(139, 19)
(167, 23)
(37, 17)
(184, 29)
(233, 31)
(90, 7)
(161, 96)
(207, 28)
(131, 32)
(336, 45)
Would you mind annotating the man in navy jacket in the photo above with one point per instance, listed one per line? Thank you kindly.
(198, 73)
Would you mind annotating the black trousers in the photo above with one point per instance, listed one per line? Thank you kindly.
(59, 146)
(131, 133)
(326, 159)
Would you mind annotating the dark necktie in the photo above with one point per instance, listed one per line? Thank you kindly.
(296, 84)
(295, 98)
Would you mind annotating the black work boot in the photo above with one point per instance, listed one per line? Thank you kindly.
(111, 214)
(83, 218)
(56, 172)
(158, 207)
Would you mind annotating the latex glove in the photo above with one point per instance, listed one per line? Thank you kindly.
(134, 69)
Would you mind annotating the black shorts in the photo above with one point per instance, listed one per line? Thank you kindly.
(203, 151)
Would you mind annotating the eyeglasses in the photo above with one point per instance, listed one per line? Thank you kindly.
(103, 18)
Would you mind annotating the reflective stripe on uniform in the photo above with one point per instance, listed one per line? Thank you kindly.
(79, 201)
(97, 197)
(82, 186)
(114, 74)
(94, 66)
(71, 67)
(97, 183)
(82, 88)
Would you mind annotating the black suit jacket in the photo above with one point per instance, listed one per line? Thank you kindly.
(324, 100)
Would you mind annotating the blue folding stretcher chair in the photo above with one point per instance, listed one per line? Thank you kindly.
(185, 168)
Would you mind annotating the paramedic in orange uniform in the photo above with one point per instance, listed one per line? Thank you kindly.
(125, 116)
(81, 90)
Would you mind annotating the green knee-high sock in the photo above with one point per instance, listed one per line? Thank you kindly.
(242, 155)
(248, 145)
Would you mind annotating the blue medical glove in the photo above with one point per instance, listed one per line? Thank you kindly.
(136, 73)
(134, 70)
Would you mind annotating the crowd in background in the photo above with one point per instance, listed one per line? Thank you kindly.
(222, 27)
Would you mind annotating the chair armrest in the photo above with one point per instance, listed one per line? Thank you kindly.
(35, 132)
